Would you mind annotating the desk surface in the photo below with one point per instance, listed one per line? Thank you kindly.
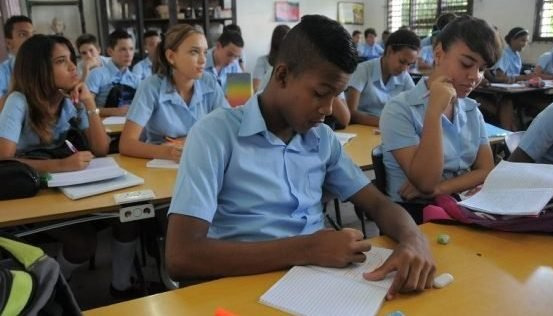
(114, 129)
(498, 90)
(52, 204)
(360, 147)
(495, 274)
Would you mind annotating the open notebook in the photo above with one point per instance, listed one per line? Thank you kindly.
(514, 188)
(88, 189)
(98, 169)
(312, 290)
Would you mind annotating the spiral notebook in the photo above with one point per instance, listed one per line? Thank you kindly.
(312, 290)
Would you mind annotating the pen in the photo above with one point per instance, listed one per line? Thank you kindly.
(333, 223)
(71, 147)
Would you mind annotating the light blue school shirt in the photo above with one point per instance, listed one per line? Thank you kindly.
(426, 41)
(221, 77)
(546, 62)
(427, 54)
(537, 141)
(369, 51)
(250, 185)
(15, 123)
(510, 62)
(6, 69)
(143, 69)
(401, 125)
(101, 80)
(261, 67)
(103, 61)
(367, 79)
(158, 107)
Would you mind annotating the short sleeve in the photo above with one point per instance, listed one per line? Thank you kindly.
(4, 82)
(94, 80)
(12, 117)
(143, 103)
(538, 139)
(544, 61)
(396, 125)
(201, 171)
(359, 79)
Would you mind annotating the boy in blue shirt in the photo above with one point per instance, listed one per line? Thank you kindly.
(537, 143)
(116, 72)
(89, 51)
(143, 68)
(223, 58)
(248, 193)
(17, 30)
(370, 49)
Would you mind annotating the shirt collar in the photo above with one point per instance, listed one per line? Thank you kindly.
(169, 93)
(114, 70)
(376, 74)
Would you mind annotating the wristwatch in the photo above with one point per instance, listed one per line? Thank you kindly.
(95, 111)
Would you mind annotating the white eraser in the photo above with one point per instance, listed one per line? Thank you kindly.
(443, 280)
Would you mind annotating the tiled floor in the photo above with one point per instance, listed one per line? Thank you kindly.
(91, 288)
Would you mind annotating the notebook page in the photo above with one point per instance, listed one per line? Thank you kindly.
(307, 291)
(517, 175)
(98, 169)
(344, 137)
(375, 258)
(519, 202)
(162, 163)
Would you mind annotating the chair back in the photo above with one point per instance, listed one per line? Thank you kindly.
(379, 169)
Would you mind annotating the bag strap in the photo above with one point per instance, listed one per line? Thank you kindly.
(25, 254)
(20, 293)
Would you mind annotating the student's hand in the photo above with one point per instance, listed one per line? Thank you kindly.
(92, 63)
(173, 152)
(80, 93)
(442, 93)
(408, 192)
(178, 142)
(77, 161)
(337, 249)
(121, 111)
(414, 265)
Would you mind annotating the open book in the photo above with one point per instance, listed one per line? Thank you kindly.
(98, 169)
(312, 290)
(514, 188)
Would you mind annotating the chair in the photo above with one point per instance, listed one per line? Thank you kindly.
(512, 140)
(379, 169)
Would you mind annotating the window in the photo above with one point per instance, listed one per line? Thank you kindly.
(543, 28)
(420, 15)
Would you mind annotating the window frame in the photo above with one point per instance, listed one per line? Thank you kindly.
(536, 36)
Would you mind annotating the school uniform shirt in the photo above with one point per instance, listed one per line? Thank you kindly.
(6, 69)
(537, 141)
(546, 62)
(15, 123)
(369, 51)
(510, 62)
(261, 67)
(221, 77)
(101, 80)
(158, 107)
(103, 61)
(426, 41)
(250, 185)
(401, 125)
(367, 79)
(427, 54)
(143, 69)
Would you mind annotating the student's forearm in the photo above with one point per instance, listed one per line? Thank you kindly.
(96, 134)
(136, 148)
(462, 183)
(358, 117)
(341, 112)
(115, 111)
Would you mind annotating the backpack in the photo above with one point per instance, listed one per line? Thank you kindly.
(25, 181)
(446, 209)
(119, 95)
(31, 282)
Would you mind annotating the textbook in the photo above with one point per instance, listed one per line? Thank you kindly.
(88, 189)
(239, 88)
(163, 164)
(98, 169)
(514, 188)
(313, 290)
(344, 137)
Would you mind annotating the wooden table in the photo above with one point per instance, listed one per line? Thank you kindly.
(52, 204)
(114, 129)
(360, 147)
(495, 274)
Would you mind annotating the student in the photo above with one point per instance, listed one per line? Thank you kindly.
(223, 58)
(143, 68)
(433, 136)
(115, 73)
(18, 29)
(236, 28)
(537, 143)
(356, 37)
(441, 22)
(88, 48)
(265, 62)
(384, 38)
(375, 81)
(508, 68)
(248, 193)
(544, 67)
(168, 103)
(425, 60)
(370, 49)
(40, 118)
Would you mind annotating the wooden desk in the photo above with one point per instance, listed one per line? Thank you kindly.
(114, 129)
(51, 204)
(361, 146)
(495, 274)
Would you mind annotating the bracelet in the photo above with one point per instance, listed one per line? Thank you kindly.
(95, 111)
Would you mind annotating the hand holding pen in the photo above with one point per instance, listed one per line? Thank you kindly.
(77, 161)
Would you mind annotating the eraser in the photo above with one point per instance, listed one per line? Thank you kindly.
(443, 280)
(443, 239)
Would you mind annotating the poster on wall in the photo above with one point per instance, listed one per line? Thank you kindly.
(287, 11)
(351, 13)
(64, 20)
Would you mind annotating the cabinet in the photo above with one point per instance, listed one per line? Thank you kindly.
(137, 16)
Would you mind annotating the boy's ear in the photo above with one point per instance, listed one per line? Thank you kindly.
(110, 51)
(280, 75)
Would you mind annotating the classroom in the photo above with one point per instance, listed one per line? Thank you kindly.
(233, 157)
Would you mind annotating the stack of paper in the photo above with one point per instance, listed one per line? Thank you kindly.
(162, 163)
(344, 137)
(98, 169)
(514, 189)
(88, 189)
(312, 290)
